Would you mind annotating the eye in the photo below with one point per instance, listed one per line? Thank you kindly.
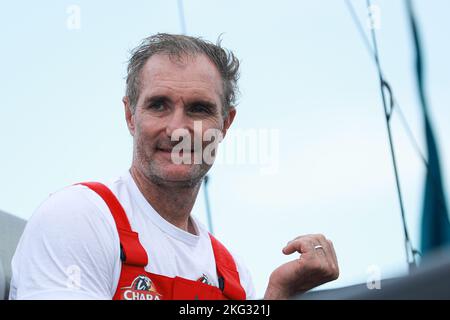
(200, 108)
(157, 106)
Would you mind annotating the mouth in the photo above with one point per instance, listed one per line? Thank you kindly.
(169, 150)
(166, 150)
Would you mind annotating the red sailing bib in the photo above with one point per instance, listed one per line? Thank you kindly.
(137, 284)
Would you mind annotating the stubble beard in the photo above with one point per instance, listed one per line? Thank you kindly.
(153, 170)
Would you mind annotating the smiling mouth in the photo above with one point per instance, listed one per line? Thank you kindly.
(170, 150)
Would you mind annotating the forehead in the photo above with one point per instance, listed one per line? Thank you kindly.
(184, 75)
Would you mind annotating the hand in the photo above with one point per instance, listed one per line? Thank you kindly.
(316, 265)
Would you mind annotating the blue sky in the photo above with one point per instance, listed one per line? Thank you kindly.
(305, 73)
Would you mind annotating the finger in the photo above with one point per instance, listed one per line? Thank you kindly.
(322, 247)
(332, 250)
(329, 256)
(320, 244)
(300, 244)
(305, 236)
(311, 238)
(324, 252)
(334, 255)
(326, 256)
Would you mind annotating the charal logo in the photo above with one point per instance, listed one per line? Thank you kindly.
(204, 279)
(141, 288)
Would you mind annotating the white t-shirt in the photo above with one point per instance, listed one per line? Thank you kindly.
(70, 248)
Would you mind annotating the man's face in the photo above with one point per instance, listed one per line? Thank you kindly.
(174, 94)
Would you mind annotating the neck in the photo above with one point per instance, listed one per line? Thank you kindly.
(171, 203)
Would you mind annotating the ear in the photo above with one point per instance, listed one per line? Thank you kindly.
(129, 115)
(228, 120)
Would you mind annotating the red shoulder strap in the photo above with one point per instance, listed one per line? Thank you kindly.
(226, 268)
(132, 251)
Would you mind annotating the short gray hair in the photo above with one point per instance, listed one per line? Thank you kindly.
(177, 46)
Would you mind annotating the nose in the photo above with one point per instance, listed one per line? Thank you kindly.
(178, 120)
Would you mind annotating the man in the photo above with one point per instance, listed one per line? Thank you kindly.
(134, 238)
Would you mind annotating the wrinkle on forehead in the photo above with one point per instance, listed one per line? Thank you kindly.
(181, 72)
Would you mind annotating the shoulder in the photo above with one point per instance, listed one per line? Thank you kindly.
(74, 216)
(72, 227)
(72, 206)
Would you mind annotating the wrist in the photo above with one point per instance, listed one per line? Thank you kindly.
(274, 292)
